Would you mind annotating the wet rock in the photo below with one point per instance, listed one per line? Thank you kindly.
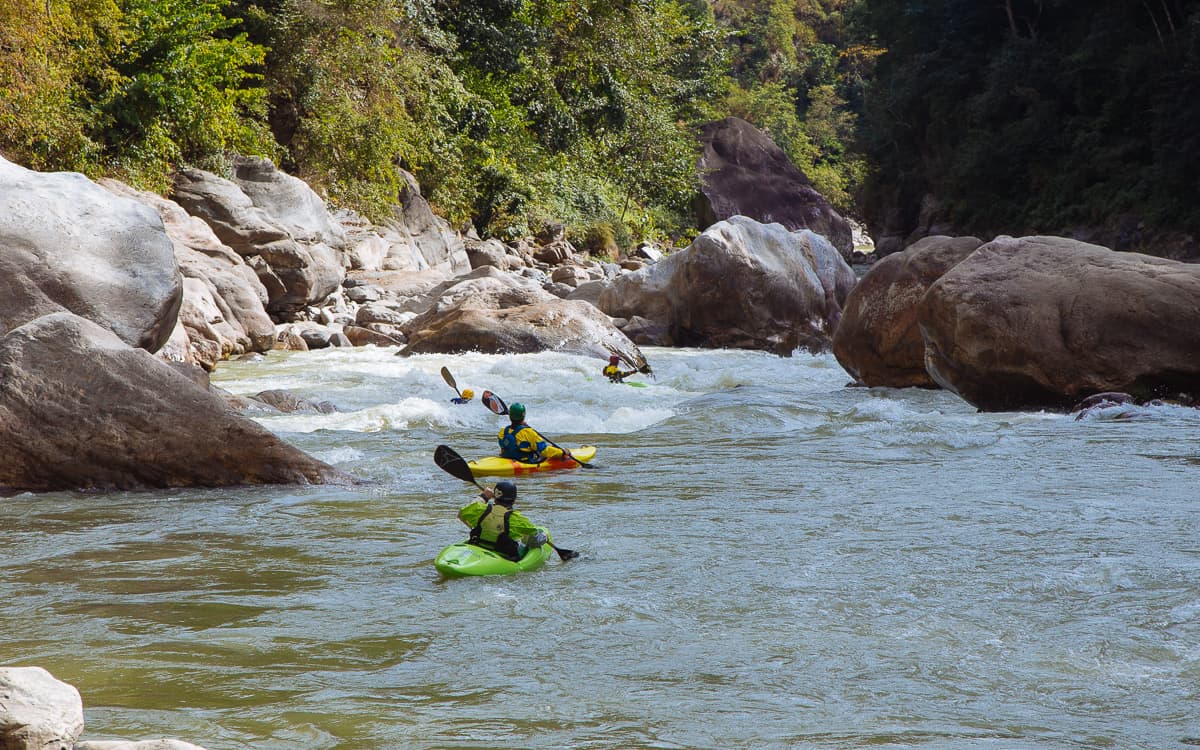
(288, 402)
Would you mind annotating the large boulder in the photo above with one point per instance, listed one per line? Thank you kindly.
(496, 312)
(419, 238)
(741, 284)
(878, 340)
(224, 304)
(68, 244)
(1041, 322)
(37, 711)
(82, 410)
(277, 223)
(744, 173)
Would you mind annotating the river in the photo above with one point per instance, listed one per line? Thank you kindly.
(769, 560)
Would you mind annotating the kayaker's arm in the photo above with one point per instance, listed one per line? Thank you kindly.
(470, 514)
(522, 529)
(544, 446)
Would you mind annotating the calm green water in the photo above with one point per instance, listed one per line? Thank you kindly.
(770, 560)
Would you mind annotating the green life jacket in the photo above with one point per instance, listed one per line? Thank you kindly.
(491, 532)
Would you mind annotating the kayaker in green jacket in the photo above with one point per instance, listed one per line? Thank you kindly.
(521, 442)
(498, 527)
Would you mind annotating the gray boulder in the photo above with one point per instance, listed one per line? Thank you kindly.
(68, 244)
(37, 711)
(224, 304)
(271, 227)
(741, 284)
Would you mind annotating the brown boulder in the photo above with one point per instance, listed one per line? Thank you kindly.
(80, 410)
(744, 173)
(878, 340)
(560, 325)
(1041, 322)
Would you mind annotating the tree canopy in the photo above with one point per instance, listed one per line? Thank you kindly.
(1013, 115)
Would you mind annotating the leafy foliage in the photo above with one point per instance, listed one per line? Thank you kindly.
(126, 87)
(798, 75)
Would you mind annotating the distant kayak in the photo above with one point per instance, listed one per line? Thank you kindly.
(495, 466)
(462, 559)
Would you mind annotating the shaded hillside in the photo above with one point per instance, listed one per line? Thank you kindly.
(1036, 116)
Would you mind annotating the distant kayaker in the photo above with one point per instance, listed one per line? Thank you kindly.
(465, 398)
(520, 442)
(614, 372)
(501, 528)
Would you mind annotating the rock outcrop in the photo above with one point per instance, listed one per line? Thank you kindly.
(224, 303)
(80, 409)
(741, 284)
(68, 244)
(293, 252)
(744, 173)
(1042, 322)
(496, 312)
(878, 340)
(37, 711)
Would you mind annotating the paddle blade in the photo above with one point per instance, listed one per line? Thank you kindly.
(565, 554)
(453, 464)
(494, 403)
(450, 380)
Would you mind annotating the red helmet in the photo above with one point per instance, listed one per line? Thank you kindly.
(614, 359)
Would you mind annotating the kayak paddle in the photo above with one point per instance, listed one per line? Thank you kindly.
(641, 365)
(494, 402)
(497, 405)
(450, 380)
(456, 466)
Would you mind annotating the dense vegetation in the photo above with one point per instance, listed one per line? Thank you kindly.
(511, 113)
(1037, 115)
(1015, 114)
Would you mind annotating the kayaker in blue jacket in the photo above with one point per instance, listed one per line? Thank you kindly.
(613, 371)
(496, 526)
(521, 442)
(465, 398)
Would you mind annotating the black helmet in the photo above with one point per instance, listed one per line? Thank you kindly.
(506, 493)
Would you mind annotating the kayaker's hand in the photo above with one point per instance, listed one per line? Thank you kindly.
(568, 456)
(487, 494)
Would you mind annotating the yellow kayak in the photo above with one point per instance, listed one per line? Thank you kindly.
(495, 466)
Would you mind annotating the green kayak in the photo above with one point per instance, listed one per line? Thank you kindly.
(464, 559)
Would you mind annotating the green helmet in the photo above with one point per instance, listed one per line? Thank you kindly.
(516, 412)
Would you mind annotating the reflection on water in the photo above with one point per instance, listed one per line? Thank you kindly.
(769, 560)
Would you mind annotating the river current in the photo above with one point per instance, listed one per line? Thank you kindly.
(769, 560)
